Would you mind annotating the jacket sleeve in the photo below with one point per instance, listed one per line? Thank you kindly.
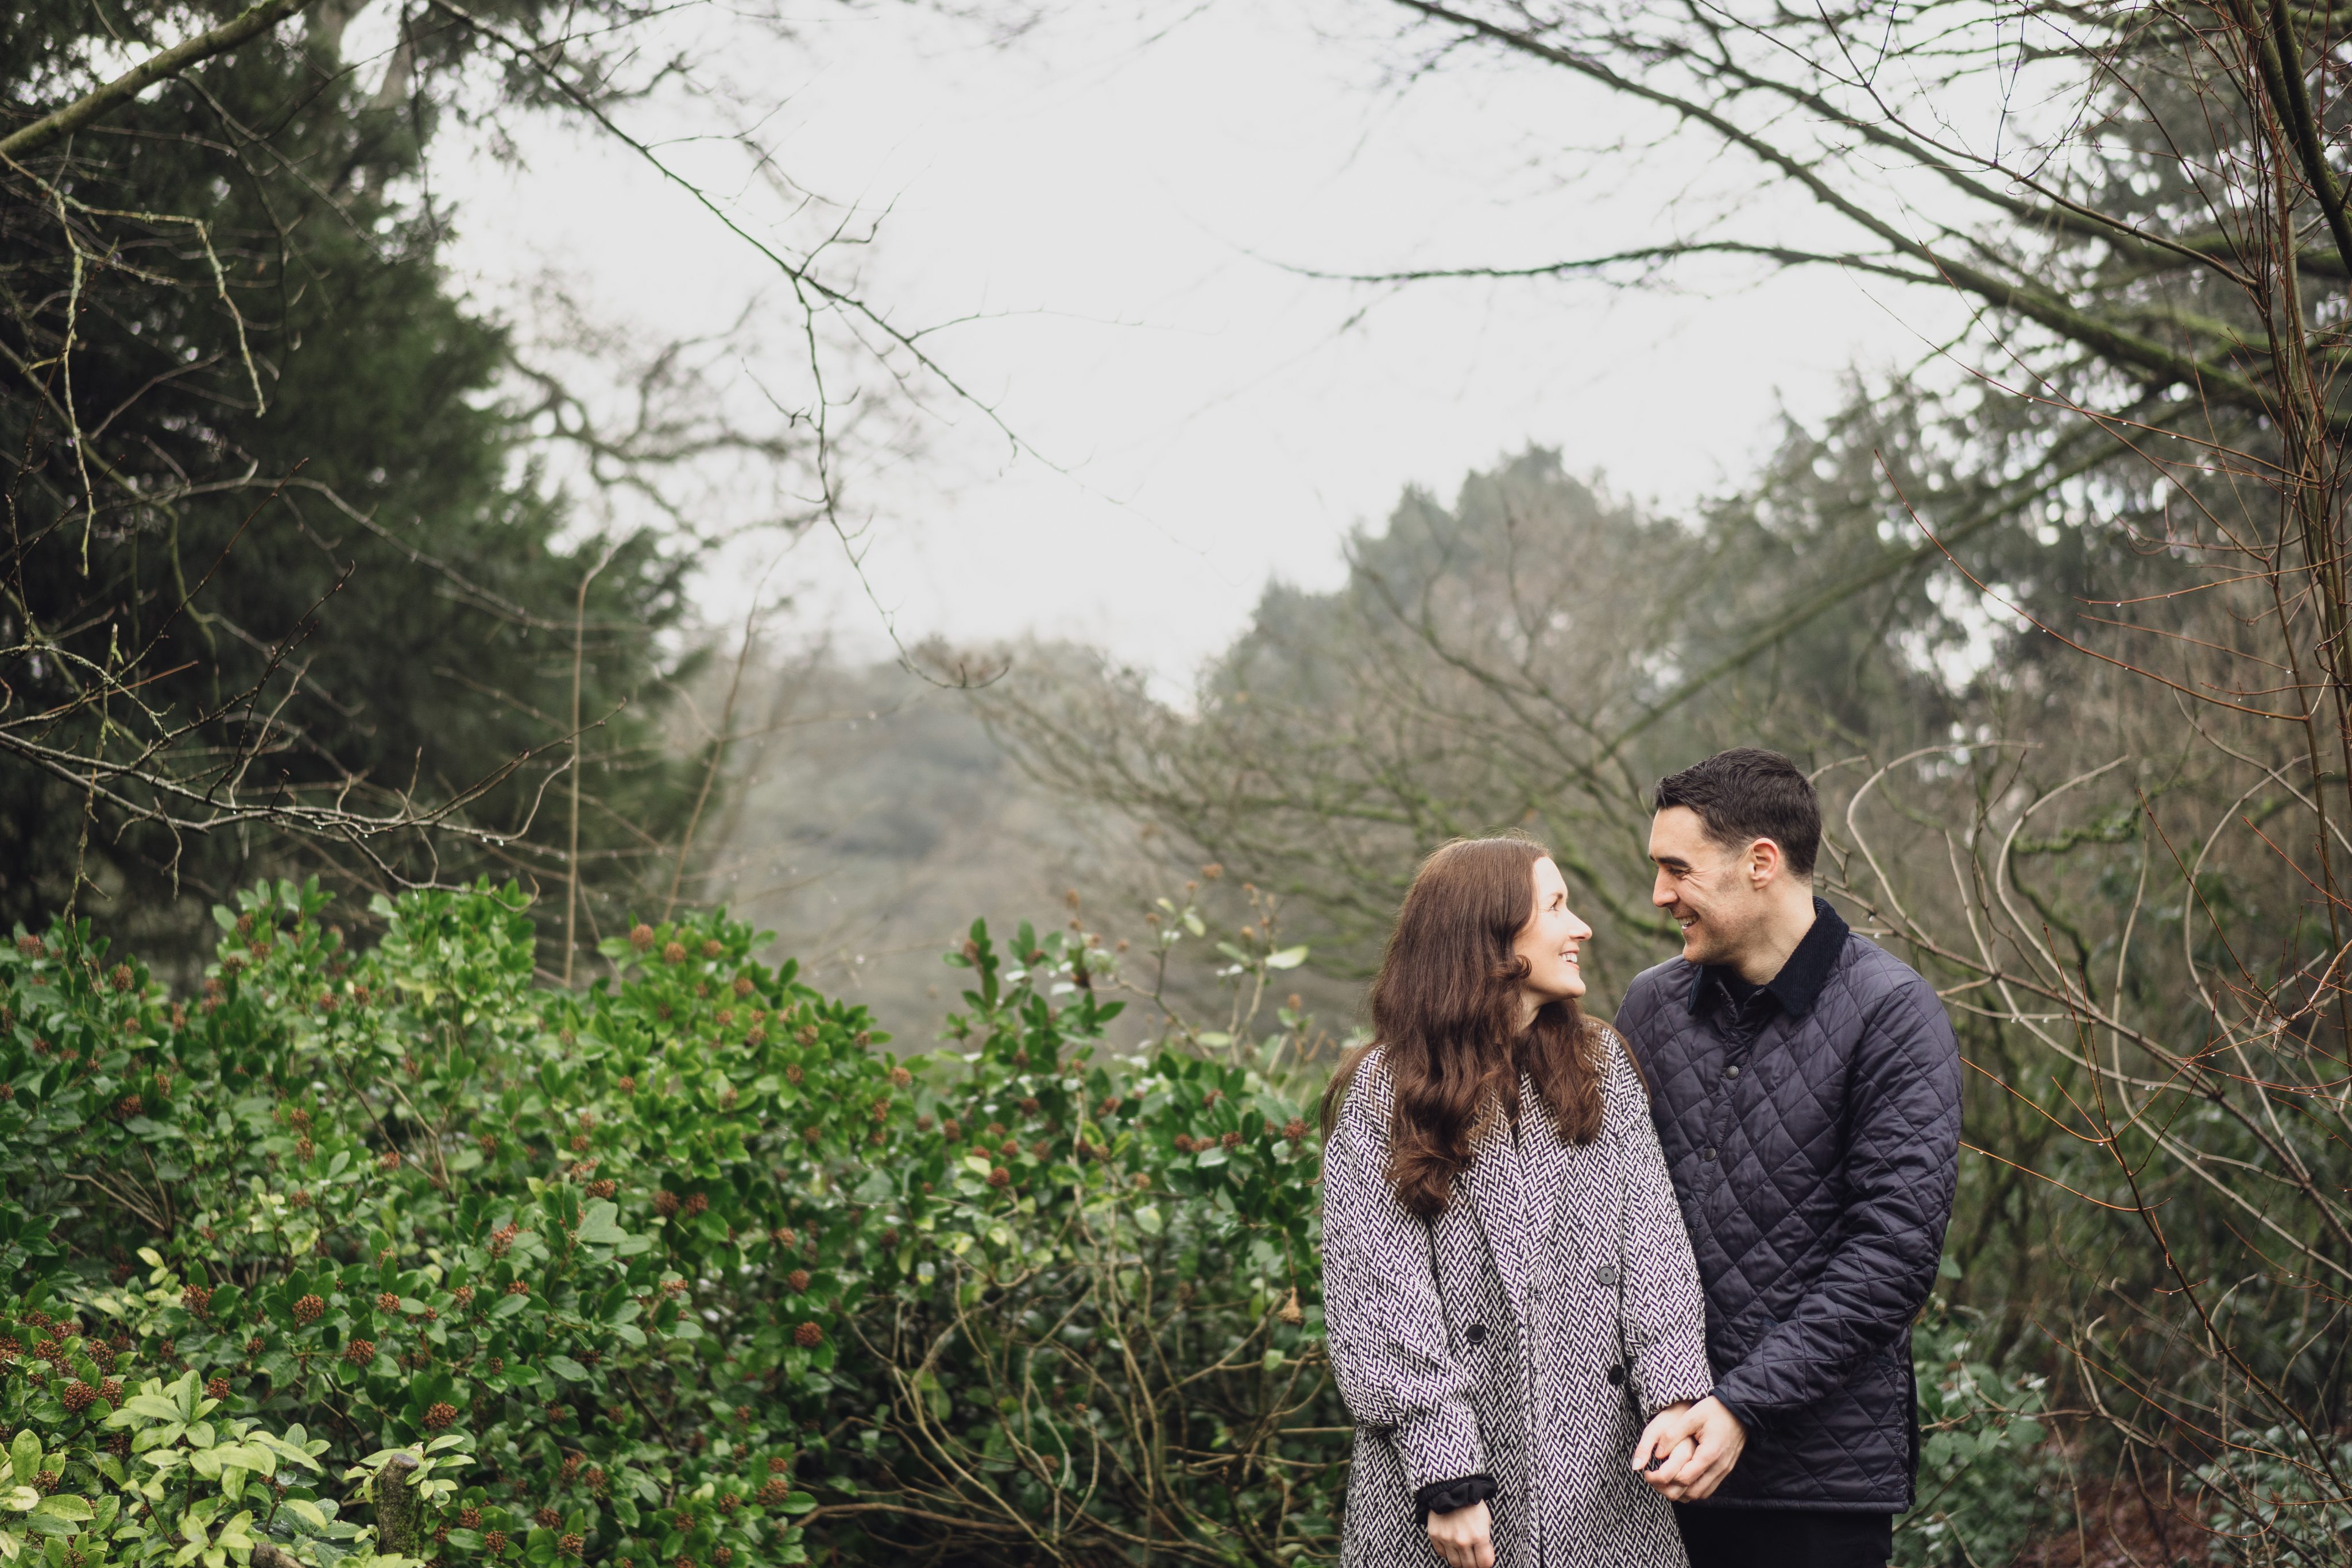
(1902, 1165)
(1382, 1316)
(1665, 1310)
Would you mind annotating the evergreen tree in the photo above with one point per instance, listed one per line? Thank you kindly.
(283, 589)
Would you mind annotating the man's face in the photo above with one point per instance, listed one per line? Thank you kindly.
(1707, 887)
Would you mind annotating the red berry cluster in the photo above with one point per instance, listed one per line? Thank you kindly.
(469, 1518)
(79, 1396)
(440, 1416)
(547, 1519)
(360, 1351)
(309, 1310)
(217, 1388)
(385, 1301)
(808, 1336)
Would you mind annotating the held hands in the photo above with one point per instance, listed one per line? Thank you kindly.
(1686, 1449)
(1465, 1538)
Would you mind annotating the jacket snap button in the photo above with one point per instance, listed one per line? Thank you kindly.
(1606, 1273)
(1731, 1072)
(1708, 1154)
(1617, 1375)
(1476, 1334)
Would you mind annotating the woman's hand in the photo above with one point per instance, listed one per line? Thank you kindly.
(1465, 1538)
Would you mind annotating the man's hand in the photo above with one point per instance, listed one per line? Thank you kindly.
(1465, 1538)
(1686, 1449)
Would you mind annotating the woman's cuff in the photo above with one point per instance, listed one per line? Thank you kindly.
(1447, 1497)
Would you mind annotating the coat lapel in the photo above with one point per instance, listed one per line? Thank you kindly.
(1499, 1197)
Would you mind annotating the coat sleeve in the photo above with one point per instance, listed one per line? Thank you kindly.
(1901, 1167)
(1665, 1310)
(1382, 1315)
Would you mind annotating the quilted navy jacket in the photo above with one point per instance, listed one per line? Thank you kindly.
(1812, 1134)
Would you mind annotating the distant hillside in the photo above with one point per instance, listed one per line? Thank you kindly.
(871, 817)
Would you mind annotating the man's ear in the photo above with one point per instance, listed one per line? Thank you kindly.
(1764, 862)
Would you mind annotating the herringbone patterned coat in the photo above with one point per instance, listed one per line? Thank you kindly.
(1484, 1343)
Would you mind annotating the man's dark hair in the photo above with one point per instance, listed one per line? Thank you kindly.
(1746, 794)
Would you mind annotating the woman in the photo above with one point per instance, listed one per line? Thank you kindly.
(1508, 1287)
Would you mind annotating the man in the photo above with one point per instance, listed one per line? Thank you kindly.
(1806, 1087)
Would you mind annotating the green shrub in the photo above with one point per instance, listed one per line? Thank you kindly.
(1987, 1469)
(640, 1273)
(2274, 1498)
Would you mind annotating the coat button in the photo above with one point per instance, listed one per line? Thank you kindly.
(1708, 1154)
(1476, 1334)
(1731, 1072)
(1617, 1375)
(1606, 1274)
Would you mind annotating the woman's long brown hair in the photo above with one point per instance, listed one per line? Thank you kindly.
(1445, 1008)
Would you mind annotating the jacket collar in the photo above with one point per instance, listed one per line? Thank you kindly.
(1799, 984)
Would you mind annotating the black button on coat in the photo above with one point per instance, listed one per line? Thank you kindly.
(1816, 1183)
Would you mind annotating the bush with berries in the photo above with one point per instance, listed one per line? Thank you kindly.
(435, 1264)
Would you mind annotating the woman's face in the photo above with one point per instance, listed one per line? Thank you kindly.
(1550, 941)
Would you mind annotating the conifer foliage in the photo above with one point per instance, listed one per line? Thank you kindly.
(276, 561)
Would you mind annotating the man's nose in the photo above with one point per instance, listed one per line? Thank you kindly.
(1660, 894)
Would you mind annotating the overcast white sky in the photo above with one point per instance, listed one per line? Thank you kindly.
(1114, 194)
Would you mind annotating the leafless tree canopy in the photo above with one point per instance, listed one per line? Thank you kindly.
(2057, 619)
